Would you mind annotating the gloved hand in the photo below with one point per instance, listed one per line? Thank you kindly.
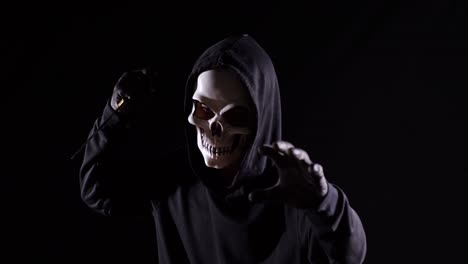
(133, 91)
(300, 183)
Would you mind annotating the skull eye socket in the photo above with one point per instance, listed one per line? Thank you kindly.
(202, 111)
(237, 116)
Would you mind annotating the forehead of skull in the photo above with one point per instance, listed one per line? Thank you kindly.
(219, 88)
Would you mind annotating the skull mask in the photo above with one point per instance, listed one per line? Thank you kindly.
(222, 116)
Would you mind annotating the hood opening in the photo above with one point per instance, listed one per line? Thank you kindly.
(245, 57)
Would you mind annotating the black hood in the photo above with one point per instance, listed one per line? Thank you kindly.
(243, 55)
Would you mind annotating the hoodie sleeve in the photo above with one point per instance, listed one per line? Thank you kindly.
(110, 184)
(334, 231)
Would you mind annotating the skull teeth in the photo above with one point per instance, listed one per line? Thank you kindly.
(217, 151)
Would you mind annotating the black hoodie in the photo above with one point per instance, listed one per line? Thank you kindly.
(199, 221)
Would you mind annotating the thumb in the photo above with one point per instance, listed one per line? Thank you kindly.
(269, 194)
(236, 194)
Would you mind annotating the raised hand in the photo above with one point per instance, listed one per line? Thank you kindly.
(132, 91)
(301, 183)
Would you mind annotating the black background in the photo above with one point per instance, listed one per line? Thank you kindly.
(373, 90)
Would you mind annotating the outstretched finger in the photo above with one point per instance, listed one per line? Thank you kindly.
(300, 154)
(282, 146)
(278, 157)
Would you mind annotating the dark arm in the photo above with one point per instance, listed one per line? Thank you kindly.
(111, 182)
(334, 231)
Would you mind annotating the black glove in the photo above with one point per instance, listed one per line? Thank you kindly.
(301, 183)
(133, 92)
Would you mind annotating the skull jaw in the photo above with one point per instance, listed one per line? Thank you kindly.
(224, 160)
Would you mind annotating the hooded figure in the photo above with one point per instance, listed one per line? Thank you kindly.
(237, 193)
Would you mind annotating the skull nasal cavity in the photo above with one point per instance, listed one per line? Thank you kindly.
(216, 129)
